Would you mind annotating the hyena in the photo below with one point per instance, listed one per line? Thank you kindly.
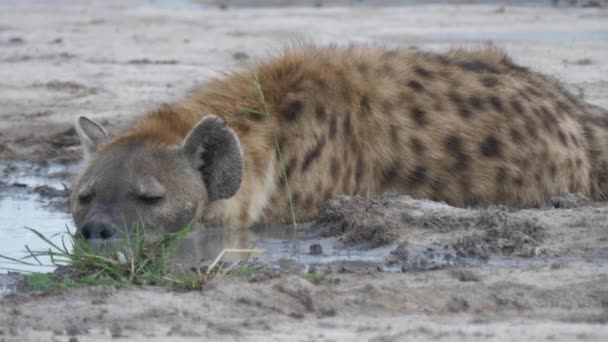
(464, 127)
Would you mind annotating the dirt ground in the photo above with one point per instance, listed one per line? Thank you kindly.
(458, 274)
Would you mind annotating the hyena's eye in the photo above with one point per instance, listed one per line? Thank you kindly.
(85, 198)
(149, 199)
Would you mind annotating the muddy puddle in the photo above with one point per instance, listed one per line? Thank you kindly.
(32, 196)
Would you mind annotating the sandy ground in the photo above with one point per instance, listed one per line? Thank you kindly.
(534, 275)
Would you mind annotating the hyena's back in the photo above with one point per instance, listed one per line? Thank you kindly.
(464, 127)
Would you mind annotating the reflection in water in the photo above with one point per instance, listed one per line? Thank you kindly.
(203, 245)
(18, 213)
(21, 207)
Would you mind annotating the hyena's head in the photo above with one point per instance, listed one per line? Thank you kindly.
(130, 180)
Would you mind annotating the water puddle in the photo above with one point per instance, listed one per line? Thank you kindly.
(280, 248)
(32, 196)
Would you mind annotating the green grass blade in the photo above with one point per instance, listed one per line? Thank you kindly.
(18, 261)
(32, 254)
(44, 238)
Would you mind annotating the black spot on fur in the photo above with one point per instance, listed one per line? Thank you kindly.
(308, 203)
(456, 98)
(313, 154)
(490, 147)
(365, 106)
(518, 181)
(359, 170)
(516, 136)
(477, 66)
(335, 168)
(562, 137)
(394, 133)
(289, 169)
(574, 140)
(465, 113)
(552, 169)
(320, 112)
(475, 102)
(517, 107)
(424, 73)
(333, 127)
(347, 126)
(419, 116)
(362, 68)
(496, 103)
(417, 177)
(489, 81)
(389, 175)
(531, 130)
(548, 119)
(415, 85)
(453, 144)
(417, 145)
(292, 110)
(327, 194)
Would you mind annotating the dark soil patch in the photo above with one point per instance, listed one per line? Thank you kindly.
(504, 234)
(358, 220)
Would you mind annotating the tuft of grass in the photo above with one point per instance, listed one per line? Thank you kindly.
(266, 112)
(138, 260)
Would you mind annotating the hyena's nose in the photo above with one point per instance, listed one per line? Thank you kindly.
(96, 230)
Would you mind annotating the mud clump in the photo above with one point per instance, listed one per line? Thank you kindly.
(568, 201)
(357, 220)
(465, 275)
(66, 138)
(315, 249)
(501, 233)
(399, 255)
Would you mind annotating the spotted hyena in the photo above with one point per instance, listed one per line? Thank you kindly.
(462, 127)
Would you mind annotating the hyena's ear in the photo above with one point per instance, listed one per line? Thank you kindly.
(91, 134)
(214, 150)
